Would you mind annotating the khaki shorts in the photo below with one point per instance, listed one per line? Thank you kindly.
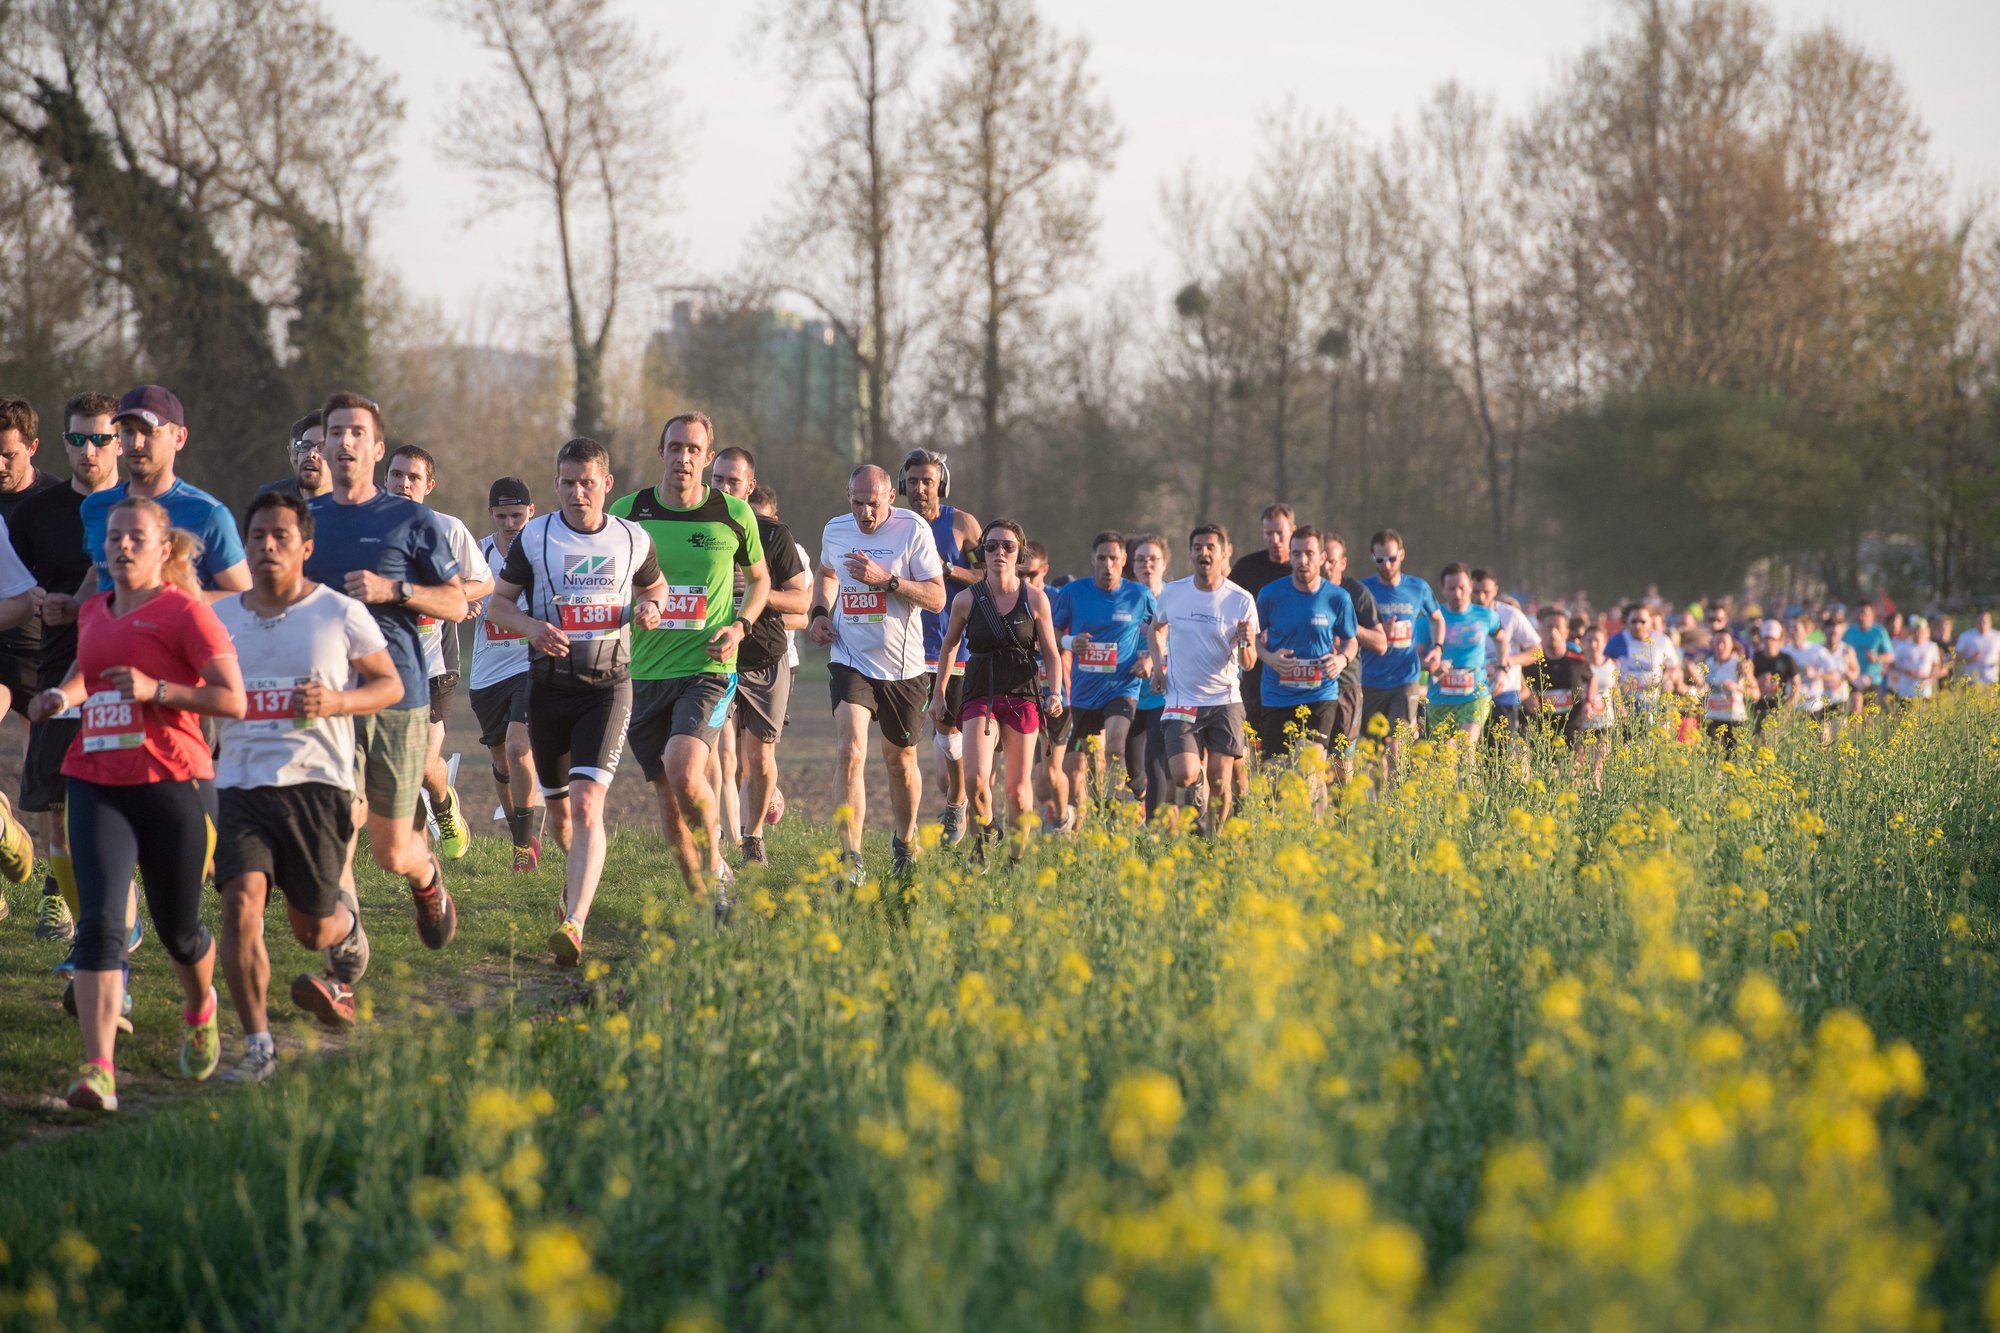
(389, 751)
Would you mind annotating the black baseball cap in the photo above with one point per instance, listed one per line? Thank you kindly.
(153, 405)
(508, 491)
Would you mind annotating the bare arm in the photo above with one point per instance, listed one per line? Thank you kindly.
(381, 687)
(16, 610)
(229, 582)
(954, 630)
(1045, 632)
(1375, 640)
(791, 600)
(819, 624)
(929, 594)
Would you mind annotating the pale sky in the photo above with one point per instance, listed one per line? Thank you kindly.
(1187, 81)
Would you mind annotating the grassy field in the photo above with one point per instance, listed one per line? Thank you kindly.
(1707, 1049)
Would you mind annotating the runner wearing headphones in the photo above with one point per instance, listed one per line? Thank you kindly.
(925, 479)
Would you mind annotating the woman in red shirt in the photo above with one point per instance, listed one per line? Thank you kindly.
(150, 656)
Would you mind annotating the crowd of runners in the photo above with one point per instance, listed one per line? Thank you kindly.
(208, 702)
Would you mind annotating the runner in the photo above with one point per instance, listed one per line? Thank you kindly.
(763, 677)
(585, 574)
(1308, 640)
(1370, 636)
(1389, 688)
(1203, 640)
(1979, 651)
(684, 669)
(20, 646)
(1774, 670)
(764, 504)
(1557, 684)
(1819, 671)
(1840, 697)
(878, 568)
(1254, 573)
(1600, 706)
(307, 453)
(1146, 764)
(1875, 650)
(391, 555)
(1104, 621)
(413, 475)
(1521, 644)
(1051, 784)
(151, 655)
(1729, 687)
(1645, 663)
(152, 430)
(1918, 664)
(500, 686)
(311, 660)
(1460, 694)
(1007, 622)
(47, 533)
(926, 480)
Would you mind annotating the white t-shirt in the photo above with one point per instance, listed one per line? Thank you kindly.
(792, 635)
(1517, 632)
(1981, 655)
(1815, 664)
(1724, 704)
(14, 576)
(317, 638)
(1913, 659)
(880, 634)
(1202, 663)
(497, 654)
(1644, 664)
(472, 568)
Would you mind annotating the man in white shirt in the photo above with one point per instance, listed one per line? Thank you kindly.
(1203, 639)
(312, 659)
(1979, 650)
(878, 571)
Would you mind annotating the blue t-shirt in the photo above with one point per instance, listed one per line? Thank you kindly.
(398, 539)
(189, 508)
(1866, 641)
(1311, 624)
(944, 534)
(1116, 622)
(1468, 637)
(1401, 609)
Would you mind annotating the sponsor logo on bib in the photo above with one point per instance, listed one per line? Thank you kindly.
(590, 571)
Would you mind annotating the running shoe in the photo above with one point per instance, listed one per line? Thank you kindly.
(753, 852)
(256, 1066)
(454, 838)
(566, 943)
(902, 857)
(201, 1043)
(725, 895)
(137, 936)
(124, 1019)
(347, 961)
(527, 860)
(55, 922)
(775, 811)
(953, 821)
(856, 873)
(17, 849)
(67, 967)
(95, 1089)
(329, 1000)
(437, 914)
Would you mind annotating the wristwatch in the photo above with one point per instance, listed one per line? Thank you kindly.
(894, 583)
(404, 591)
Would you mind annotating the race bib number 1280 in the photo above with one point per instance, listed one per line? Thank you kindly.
(864, 604)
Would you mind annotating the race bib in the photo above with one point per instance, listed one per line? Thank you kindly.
(1721, 701)
(1302, 674)
(499, 634)
(111, 722)
(427, 625)
(1598, 708)
(684, 607)
(1399, 632)
(1173, 715)
(869, 605)
(589, 618)
(1560, 701)
(1458, 681)
(1100, 659)
(273, 706)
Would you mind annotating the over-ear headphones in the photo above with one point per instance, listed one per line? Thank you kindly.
(936, 460)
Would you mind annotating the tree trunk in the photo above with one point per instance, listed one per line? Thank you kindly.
(1329, 478)
(880, 448)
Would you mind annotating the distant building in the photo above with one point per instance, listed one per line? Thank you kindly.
(775, 380)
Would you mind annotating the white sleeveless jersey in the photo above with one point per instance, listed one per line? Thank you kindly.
(583, 583)
(497, 654)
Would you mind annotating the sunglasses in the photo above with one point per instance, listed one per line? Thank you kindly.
(1387, 559)
(1003, 546)
(77, 440)
(308, 447)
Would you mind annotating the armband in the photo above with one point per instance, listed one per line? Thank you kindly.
(816, 613)
(1066, 641)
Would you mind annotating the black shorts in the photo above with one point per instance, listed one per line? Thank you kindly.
(954, 697)
(1088, 722)
(762, 699)
(896, 704)
(1503, 724)
(296, 837)
(1055, 731)
(20, 675)
(696, 705)
(1216, 728)
(576, 733)
(498, 706)
(1283, 727)
(42, 783)
(1347, 715)
(1400, 705)
(443, 688)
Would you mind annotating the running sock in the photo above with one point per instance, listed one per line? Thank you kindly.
(203, 1014)
(259, 1043)
(103, 1064)
(534, 818)
(64, 871)
(517, 826)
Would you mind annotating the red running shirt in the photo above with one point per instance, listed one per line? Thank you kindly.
(123, 743)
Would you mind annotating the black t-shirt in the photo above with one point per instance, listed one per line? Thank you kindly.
(1550, 682)
(1365, 617)
(46, 528)
(765, 644)
(1253, 573)
(1773, 664)
(25, 639)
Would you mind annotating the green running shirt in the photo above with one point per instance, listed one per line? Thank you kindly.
(698, 550)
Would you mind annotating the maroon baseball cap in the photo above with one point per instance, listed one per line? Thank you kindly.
(153, 405)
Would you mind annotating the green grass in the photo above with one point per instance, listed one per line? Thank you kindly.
(1708, 1049)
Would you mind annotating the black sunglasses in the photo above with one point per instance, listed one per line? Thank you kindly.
(77, 440)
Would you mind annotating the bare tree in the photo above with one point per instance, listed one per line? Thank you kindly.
(578, 123)
(1012, 152)
(855, 190)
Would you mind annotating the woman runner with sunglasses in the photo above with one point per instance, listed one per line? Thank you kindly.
(150, 656)
(1005, 622)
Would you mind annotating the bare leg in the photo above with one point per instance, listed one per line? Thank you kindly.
(586, 860)
(905, 786)
(850, 790)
